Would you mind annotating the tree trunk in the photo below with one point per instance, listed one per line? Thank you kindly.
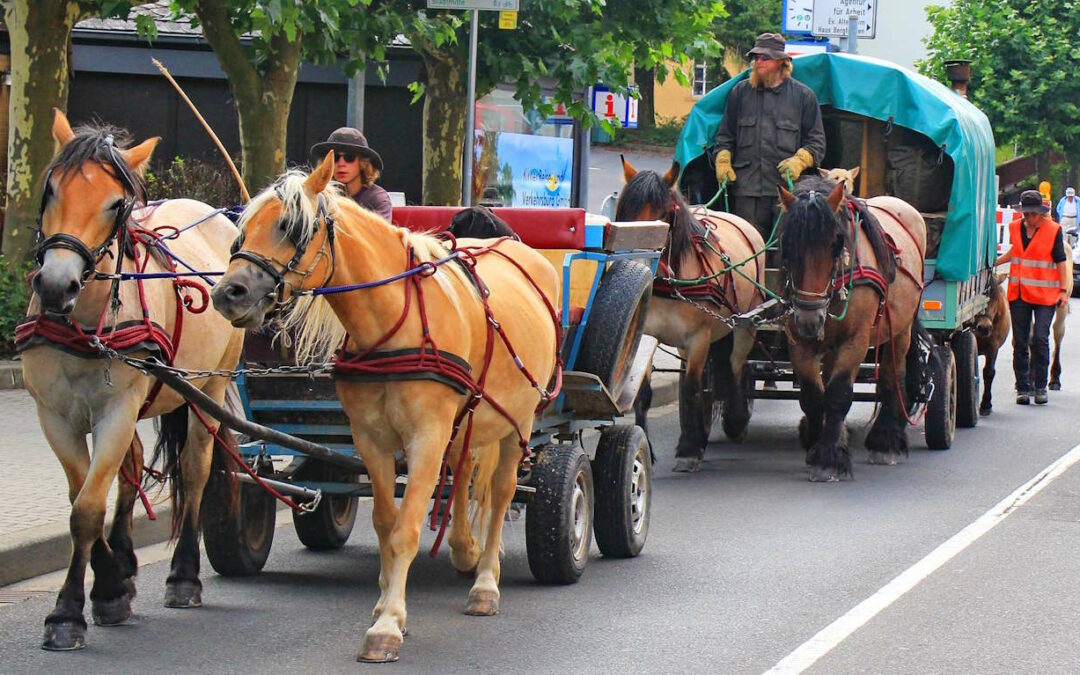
(645, 79)
(262, 100)
(39, 31)
(444, 128)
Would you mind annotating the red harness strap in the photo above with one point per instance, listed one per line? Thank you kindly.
(719, 290)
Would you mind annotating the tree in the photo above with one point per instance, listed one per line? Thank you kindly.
(40, 36)
(1023, 68)
(743, 23)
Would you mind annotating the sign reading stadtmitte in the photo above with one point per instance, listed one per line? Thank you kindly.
(501, 5)
(831, 17)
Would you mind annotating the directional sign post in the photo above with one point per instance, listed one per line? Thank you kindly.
(831, 17)
(470, 116)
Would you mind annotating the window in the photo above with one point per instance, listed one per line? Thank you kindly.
(700, 85)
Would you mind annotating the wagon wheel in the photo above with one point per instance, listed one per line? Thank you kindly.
(941, 409)
(615, 324)
(622, 472)
(559, 521)
(966, 353)
(238, 541)
(327, 527)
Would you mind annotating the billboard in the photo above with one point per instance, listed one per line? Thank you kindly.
(524, 170)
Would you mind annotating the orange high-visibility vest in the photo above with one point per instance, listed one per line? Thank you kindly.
(1033, 274)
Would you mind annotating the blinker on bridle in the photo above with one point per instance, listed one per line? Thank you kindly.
(810, 301)
(271, 265)
(61, 240)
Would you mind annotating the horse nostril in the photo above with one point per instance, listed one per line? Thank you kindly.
(235, 291)
(35, 283)
(73, 287)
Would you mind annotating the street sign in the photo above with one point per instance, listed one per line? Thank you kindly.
(616, 109)
(501, 5)
(831, 17)
(507, 20)
(798, 17)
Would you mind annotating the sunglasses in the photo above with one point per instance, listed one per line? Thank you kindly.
(762, 57)
(349, 157)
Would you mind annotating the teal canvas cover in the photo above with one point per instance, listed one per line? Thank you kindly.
(882, 90)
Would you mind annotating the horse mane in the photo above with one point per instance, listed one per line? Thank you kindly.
(810, 223)
(91, 144)
(647, 190)
(317, 330)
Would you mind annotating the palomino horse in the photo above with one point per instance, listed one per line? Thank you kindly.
(701, 245)
(849, 293)
(991, 328)
(300, 235)
(93, 220)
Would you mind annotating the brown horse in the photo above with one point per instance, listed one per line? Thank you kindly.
(92, 204)
(1058, 328)
(701, 244)
(991, 330)
(289, 245)
(849, 293)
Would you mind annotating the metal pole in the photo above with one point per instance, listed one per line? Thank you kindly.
(470, 118)
(853, 34)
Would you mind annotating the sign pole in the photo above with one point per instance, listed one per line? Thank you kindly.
(470, 119)
(853, 34)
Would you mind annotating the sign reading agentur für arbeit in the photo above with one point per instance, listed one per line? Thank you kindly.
(831, 17)
(501, 5)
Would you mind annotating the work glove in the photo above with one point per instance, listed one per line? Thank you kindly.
(724, 172)
(796, 164)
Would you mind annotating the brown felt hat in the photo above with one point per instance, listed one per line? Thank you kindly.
(771, 45)
(1032, 202)
(347, 139)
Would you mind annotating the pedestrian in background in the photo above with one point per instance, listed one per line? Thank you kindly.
(1067, 212)
(357, 167)
(1038, 279)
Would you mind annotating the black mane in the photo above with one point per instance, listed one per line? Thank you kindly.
(810, 224)
(647, 189)
(91, 143)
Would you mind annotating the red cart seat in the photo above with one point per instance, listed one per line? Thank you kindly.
(539, 228)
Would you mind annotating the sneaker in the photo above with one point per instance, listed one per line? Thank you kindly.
(1023, 398)
(1041, 397)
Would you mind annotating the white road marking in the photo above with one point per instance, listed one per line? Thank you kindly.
(832, 635)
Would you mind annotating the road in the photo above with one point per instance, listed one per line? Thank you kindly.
(745, 562)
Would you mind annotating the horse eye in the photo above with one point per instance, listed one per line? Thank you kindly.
(237, 244)
(117, 205)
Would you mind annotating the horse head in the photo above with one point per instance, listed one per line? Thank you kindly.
(649, 196)
(286, 245)
(845, 176)
(91, 187)
(814, 233)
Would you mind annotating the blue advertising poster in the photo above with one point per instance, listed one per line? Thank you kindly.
(527, 170)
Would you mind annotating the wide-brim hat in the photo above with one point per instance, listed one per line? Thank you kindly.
(347, 139)
(1032, 202)
(771, 45)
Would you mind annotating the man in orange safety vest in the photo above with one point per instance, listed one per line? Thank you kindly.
(1037, 281)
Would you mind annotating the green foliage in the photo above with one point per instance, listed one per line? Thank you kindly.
(14, 296)
(744, 21)
(1024, 65)
(208, 182)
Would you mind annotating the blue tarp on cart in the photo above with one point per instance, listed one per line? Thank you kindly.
(882, 90)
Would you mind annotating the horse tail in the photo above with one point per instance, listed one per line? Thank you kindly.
(919, 363)
(483, 470)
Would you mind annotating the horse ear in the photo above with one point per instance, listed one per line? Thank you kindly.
(824, 172)
(854, 173)
(836, 197)
(628, 170)
(138, 157)
(786, 198)
(61, 129)
(320, 177)
(672, 175)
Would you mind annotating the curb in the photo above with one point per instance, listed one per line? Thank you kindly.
(11, 375)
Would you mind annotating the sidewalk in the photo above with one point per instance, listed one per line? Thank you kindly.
(34, 506)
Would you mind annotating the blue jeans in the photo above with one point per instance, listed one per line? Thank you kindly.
(1037, 340)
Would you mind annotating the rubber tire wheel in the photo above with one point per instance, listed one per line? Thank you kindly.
(550, 518)
(966, 353)
(941, 410)
(622, 472)
(615, 324)
(710, 407)
(328, 527)
(238, 543)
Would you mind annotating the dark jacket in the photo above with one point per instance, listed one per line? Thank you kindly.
(763, 126)
(375, 199)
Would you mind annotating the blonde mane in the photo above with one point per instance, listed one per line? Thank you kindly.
(310, 320)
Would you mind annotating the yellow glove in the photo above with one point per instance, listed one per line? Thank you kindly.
(724, 172)
(796, 164)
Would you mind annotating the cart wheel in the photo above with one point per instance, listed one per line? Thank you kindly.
(327, 527)
(615, 324)
(623, 476)
(238, 543)
(941, 409)
(558, 522)
(966, 353)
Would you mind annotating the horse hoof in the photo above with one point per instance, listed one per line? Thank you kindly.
(736, 428)
(483, 603)
(1055, 386)
(380, 649)
(64, 636)
(686, 465)
(804, 433)
(884, 458)
(129, 587)
(183, 594)
(985, 412)
(465, 562)
(820, 474)
(111, 612)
